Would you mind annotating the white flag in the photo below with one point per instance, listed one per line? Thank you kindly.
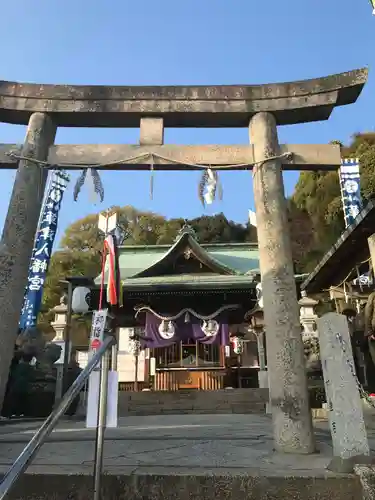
(252, 218)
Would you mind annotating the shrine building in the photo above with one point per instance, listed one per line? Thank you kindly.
(194, 310)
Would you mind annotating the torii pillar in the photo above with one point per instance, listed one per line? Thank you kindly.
(292, 420)
(17, 240)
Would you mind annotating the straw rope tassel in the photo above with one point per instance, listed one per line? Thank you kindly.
(80, 182)
(152, 172)
(97, 182)
(202, 186)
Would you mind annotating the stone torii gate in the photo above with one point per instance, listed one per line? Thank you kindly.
(261, 108)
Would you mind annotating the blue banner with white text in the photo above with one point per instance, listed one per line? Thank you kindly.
(350, 184)
(42, 251)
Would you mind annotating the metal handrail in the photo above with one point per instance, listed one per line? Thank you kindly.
(31, 449)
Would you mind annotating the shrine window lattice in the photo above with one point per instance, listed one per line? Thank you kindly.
(188, 354)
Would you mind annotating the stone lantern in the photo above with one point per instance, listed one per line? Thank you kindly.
(60, 320)
(307, 316)
(257, 327)
(256, 320)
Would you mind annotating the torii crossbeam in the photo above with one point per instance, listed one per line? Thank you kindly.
(173, 157)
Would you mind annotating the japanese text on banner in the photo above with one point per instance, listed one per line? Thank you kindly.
(350, 190)
(99, 319)
(42, 251)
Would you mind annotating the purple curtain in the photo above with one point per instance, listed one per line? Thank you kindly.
(153, 338)
(184, 331)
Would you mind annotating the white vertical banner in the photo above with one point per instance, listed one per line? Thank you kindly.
(96, 339)
(93, 400)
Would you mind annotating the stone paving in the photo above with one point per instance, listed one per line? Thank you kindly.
(173, 444)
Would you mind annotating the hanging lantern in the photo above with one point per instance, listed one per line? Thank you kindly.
(135, 346)
(81, 299)
(237, 345)
(166, 329)
(210, 327)
(259, 293)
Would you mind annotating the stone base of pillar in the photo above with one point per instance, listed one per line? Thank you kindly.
(263, 379)
(263, 384)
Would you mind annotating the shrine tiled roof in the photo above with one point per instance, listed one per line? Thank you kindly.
(147, 263)
(241, 258)
(186, 281)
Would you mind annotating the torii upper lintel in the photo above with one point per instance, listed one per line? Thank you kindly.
(180, 106)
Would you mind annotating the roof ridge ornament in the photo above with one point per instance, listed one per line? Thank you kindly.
(186, 229)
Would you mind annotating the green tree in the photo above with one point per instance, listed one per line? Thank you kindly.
(143, 228)
(301, 232)
(318, 193)
(217, 229)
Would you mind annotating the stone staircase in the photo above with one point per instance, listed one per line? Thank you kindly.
(179, 457)
(226, 401)
(187, 487)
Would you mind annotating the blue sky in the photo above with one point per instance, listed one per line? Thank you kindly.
(196, 42)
